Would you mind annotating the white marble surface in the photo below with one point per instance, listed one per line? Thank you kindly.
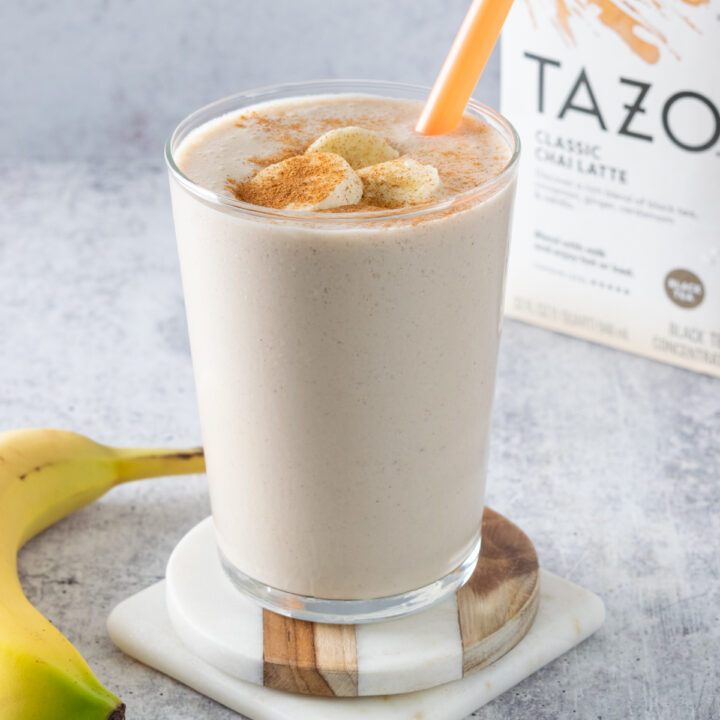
(110, 78)
(608, 461)
(567, 615)
(210, 617)
(225, 628)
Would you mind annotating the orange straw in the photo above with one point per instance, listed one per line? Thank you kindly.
(462, 68)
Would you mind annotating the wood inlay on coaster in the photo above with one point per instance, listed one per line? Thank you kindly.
(498, 604)
(459, 636)
(310, 658)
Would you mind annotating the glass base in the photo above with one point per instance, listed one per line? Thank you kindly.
(348, 612)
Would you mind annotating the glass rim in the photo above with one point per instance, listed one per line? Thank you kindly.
(258, 96)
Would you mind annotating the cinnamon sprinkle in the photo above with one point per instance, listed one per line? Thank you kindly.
(264, 160)
(302, 180)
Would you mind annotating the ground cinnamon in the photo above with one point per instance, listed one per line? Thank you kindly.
(302, 180)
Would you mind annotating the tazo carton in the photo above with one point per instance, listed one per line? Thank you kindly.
(617, 226)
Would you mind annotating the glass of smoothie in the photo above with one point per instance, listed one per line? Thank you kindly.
(344, 347)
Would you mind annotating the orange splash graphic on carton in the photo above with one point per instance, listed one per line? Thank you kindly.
(563, 17)
(620, 22)
(623, 18)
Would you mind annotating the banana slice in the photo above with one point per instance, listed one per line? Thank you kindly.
(358, 146)
(319, 181)
(399, 182)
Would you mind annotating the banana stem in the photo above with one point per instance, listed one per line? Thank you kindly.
(136, 463)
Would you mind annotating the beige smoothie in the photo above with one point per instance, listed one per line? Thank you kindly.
(344, 356)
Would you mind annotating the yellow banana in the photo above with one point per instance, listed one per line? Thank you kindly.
(45, 475)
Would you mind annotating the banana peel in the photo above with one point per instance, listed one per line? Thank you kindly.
(44, 476)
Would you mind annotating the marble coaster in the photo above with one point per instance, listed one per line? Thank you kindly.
(567, 615)
(460, 635)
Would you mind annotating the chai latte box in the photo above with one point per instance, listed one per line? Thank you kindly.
(616, 233)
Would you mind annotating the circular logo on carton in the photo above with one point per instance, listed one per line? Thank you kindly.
(684, 288)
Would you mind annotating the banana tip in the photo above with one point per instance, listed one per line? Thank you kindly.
(118, 713)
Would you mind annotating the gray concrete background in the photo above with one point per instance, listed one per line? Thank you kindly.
(94, 79)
